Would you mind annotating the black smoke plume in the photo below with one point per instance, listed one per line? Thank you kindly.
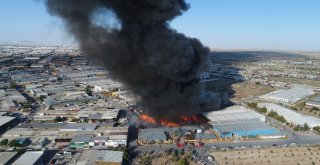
(159, 64)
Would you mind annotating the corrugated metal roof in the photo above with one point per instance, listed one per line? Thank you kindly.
(110, 156)
(5, 119)
(243, 127)
(294, 94)
(153, 134)
(6, 156)
(292, 116)
(81, 126)
(234, 114)
(81, 138)
(28, 158)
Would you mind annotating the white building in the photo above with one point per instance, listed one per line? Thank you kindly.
(234, 114)
(292, 116)
(29, 158)
(292, 95)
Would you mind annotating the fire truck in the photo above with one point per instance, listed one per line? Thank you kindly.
(181, 143)
(198, 144)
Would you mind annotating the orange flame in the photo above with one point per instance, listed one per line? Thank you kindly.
(183, 120)
(147, 118)
(168, 123)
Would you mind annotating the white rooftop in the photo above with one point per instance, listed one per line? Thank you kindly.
(5, 119)
(28, 158)
(110, 156)
(234, 114)
(292, 116)
(292, 95)
(6, 156)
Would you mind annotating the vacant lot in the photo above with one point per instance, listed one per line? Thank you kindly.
(290, 80)
(271, 156)
(246, 90)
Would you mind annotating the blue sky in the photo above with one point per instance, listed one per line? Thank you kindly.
(221, 24)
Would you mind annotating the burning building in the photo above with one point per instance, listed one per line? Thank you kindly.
(134, 41)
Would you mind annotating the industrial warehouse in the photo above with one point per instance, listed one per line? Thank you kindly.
(235, 122)
(292, 95)
(238, 121)
(292, 116)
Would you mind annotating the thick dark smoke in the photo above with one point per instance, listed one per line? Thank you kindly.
(159, 64)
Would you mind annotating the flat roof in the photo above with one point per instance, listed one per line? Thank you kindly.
(292, 116)
(80, 126)
(293, 94)
(110, 156)
(29, 157)
(5, 157)
(248, 127)
(2, 113)
(5, 119)
(153, 134)
(233, 114)
(81, 138)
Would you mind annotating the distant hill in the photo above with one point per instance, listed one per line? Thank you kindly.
(252, 56)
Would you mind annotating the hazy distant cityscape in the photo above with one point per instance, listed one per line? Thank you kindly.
(58, 107)
(159, 82)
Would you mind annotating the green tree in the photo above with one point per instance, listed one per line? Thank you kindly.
(42, 97)
(27, 106)
(59, 119)
(88, 90)
(262, 110)
(252, 105)
(13, 143)
(4, 142)
(306, 127)
(126, 155)
(183, 161)
(317, 128)
(13, 85)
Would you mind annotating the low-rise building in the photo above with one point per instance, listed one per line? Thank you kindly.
(80, 141)
(99, 157)
(79, 127)
(30, 158)
(7, 158)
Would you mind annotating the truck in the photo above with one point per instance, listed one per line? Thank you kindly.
(198, 144)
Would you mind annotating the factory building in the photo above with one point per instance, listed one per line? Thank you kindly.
(30, 158)
(233, 115)
(253, 129)
(79, 127)
(315, 102)
(296, 93)
(7, 158)
(292, 116)
(5, 122)
(240, 122)
(152, 135)
(99, 157)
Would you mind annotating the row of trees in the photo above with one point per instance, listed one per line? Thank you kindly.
(276, 116)
(11, 143)
(303, 127)
(254, 105)
(317, 128)
(264, 110)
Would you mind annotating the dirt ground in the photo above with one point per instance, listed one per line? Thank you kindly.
(290, 80)
(246, 90)
(271, 156)
(300, 107)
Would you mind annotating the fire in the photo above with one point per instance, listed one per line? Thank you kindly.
(147, 118)
(168, 123)
(183, 120)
